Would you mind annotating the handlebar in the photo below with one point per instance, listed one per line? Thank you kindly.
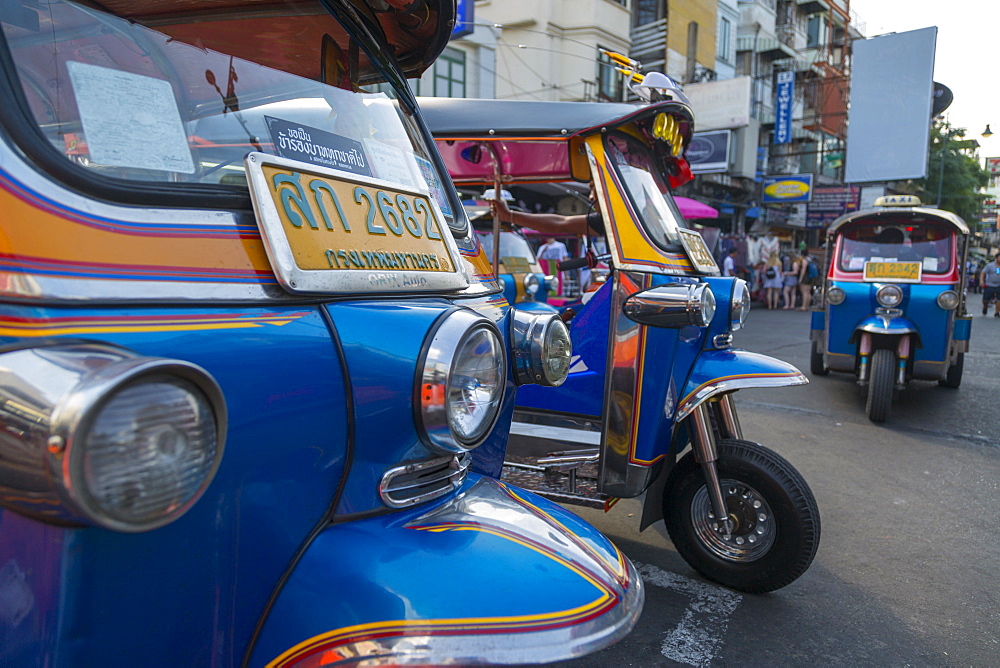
(585, 261)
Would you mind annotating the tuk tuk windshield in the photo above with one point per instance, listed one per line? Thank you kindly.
(650, 196)
(929, 244)
(184, 98)
(511, 245)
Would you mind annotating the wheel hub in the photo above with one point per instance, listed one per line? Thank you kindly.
(751, 522)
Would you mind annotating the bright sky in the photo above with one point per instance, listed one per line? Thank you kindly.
(967, 58)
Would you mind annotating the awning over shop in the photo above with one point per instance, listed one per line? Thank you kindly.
(691, 208)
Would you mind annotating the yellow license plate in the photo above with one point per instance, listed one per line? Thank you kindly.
(898, 272)
(516, 265)
(342, 232)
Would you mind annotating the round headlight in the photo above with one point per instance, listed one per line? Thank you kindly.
(462, 382)
(542, 348)
(889, 296)
(948, 300)
(836, 295)
(739, 307)
(707, 299)
(531, 286)
(147, 454)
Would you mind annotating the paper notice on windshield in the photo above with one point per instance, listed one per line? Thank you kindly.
(389, 163)
(130, 120)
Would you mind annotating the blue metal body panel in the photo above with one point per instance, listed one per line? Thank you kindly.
(583, 391)
(922, 316)
(207, 576)
(433, 571)
(510, 282)
(377, 358)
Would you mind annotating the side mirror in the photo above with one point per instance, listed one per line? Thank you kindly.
(473, 154)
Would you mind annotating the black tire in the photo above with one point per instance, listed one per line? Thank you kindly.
(774, 543)
(881, 385)
(816, 365)
(954, 377)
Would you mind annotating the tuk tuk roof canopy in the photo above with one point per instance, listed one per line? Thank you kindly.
(901, 215)
(531, 139)
(292, 33)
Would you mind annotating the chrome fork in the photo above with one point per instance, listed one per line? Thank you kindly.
(706, 452)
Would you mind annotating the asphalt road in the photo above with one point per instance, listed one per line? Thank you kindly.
(906, 572)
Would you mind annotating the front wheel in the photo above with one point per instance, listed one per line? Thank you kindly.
(954, 377)
(776, 519)
(816, 364)
(881, 384)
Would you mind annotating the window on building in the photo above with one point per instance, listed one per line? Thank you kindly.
(723, 46)
(816, 31)
(647, 11)
(744, 63)
(692, 51)
(610, 83)
(449, 74)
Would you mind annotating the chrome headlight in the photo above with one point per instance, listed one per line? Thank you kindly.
(836, 295)
(461, 382)
(672, 305)
(96, 435)
(531, 287)
(948, 300)
(739, 307)
(542, 348)
(889, 296)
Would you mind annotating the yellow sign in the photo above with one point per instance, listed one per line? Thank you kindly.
(893, 272)
(787, 189)
(516, 265)
(334, 224)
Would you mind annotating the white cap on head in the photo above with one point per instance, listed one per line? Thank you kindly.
(490, 193)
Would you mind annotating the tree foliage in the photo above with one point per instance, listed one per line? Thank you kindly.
(962, 179)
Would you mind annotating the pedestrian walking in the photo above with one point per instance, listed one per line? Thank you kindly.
(774, 280)
(990, 280)
(729, 264)
(808, 277)
(791, 275)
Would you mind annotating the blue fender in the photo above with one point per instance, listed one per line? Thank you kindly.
(492, 574)
(722, 371)
(536, 307)
(888, 325)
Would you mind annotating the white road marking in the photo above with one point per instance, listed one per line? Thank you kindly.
(697, 639)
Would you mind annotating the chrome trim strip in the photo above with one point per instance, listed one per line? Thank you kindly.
(556, 433)
(438, 476)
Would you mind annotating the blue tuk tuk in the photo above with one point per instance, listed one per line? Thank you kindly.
(256, 372)
(648, 406)
(892, 306)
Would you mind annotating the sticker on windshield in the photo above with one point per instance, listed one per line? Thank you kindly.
(430, 177)
(319, 147)
(130, 120)
(389, 163)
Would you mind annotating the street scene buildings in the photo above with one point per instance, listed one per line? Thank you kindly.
(770, 82)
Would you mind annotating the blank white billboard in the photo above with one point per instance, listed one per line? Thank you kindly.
(890, 117)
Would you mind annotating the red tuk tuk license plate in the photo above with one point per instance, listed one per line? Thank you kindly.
(893, 272)
(331, 231)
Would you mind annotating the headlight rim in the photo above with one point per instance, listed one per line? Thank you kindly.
(529, 341)
(883, 292)
(836, 295)
(74, 416)
(948, 294)
(532, 285)
(741, 302)
(433, 421)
